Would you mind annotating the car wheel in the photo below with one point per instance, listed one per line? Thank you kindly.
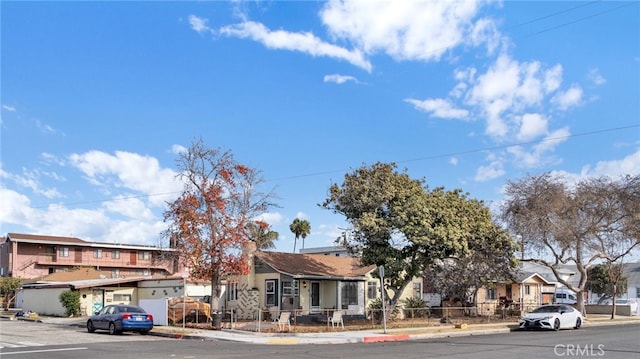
(556, 324)
(112, 328)
(578, 323)
(90, 327)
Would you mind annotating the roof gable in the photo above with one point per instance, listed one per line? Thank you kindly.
(315, 265)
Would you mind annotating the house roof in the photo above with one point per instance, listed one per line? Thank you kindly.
(33, 238)
(80, 284)
(78, 274)
(522, 277)
(315, 265)
(73, 241)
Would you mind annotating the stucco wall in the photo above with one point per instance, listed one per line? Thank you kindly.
(44, 301)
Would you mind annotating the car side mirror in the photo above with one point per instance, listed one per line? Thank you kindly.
(562, 312)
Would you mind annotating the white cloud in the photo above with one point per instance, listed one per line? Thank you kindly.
(44, 128)
(15, 207)
(532, 125)
(440, 108)
(615, 168)
(594, 76)
(302, 215)
(303, 42)
(538, 154)
(339, 79)
(199, 24)
(128, 170)
(178, 149)
(453, 161)
(272, 218)
(31, 179)
(570, 98)
(552, 79)
(494, 170)
(9, 108)
(405, 30)
(130, 207)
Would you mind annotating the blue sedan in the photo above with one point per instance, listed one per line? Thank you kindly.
(120, 318)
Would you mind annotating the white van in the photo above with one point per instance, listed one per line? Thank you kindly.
(566, 296)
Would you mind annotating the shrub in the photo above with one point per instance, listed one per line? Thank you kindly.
(415, 308)
(70, 300)
(375, 308)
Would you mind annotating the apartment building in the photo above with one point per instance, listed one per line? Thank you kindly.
(32, 256)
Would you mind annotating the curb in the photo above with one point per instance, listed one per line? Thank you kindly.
(387, 338)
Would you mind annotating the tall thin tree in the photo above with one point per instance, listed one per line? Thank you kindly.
(301, 228)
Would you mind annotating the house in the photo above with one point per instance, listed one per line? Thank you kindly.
(97, 289)
(337, 251)
(33, 256)
(311, 285)
(526, 291)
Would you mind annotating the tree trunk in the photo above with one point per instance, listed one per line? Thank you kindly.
(613, 301)
(216, 316)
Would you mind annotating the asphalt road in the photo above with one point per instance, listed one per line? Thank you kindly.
(37, 340)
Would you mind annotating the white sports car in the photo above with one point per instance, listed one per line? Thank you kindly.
(554, 317)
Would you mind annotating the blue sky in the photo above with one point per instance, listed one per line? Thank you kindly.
(98, 97)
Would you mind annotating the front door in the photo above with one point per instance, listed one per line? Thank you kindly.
(315, 296)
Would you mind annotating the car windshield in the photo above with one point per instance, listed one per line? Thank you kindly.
(130, 310)
(548, 309)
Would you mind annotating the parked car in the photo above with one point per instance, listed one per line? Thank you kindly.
(120, 318)
(553, 317)
(631, 302)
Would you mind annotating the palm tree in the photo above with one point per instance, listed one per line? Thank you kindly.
(300, 228)
(262, 235)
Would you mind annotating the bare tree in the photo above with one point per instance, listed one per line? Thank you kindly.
(595, 220)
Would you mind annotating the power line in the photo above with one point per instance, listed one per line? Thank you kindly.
(552, 15)
(575, 21)
(460, 153)
(425, 158)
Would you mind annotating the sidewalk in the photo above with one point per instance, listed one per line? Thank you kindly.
(337, 336)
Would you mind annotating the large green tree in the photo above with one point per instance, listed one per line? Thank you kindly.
(398, 223)
(583, 223)
(607, 281)
(300, 228)
(209, 222)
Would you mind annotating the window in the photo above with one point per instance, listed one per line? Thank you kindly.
(115, 273)
(115, 254)
(97, 253)
(527, 289)
(372, 289)
(638, 292)
(349, 294)
(232, 291)
(63, 252)
(270, 293)
(290, 288)
(491, 293)
(417, 290)
(121, 298)
(144, 255)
